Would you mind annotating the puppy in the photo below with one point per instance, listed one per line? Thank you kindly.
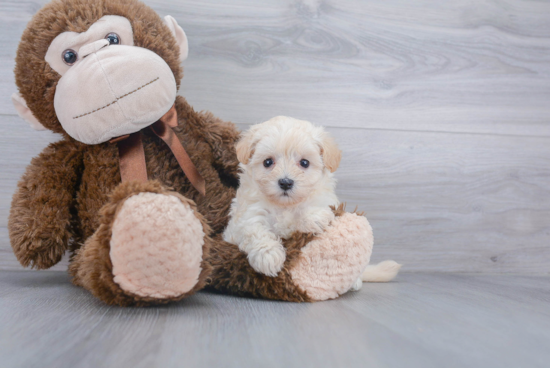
(286, 185)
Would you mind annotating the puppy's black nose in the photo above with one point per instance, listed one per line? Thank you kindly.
(286, 183)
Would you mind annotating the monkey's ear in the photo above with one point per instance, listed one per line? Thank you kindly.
(24, 111)
(330, 152)
(179, 34)
(245, 146)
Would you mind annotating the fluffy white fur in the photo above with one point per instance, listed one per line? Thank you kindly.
(382, 272)
(262, 213)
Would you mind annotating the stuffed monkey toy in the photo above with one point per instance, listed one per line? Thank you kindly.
(139, 186)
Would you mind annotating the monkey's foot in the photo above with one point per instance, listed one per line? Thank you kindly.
(331, 264)
(156, 246)
(148, 249)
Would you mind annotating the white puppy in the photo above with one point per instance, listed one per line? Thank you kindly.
(286, 185)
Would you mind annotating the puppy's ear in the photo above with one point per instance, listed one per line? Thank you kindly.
(245, 146)
(330, 152)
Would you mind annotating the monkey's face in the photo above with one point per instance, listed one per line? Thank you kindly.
(108, 86)
(110, 79)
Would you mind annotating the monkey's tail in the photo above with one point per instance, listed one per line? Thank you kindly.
(381, 272)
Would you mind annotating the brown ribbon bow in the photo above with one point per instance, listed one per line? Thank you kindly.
(132, 154)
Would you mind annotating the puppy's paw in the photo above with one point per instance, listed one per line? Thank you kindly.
(269, 259)
(316, 222)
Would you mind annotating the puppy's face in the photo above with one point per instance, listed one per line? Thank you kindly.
(287, 158)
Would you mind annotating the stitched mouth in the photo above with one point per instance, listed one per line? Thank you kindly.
(117, 99)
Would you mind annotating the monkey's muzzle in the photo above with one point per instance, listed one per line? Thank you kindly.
(114, 90)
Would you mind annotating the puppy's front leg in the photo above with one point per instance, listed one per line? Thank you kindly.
(265, 252)
(315, 220)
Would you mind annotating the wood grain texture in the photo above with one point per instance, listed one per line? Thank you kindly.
(468, 66)
(421, 320)
(441, 109)
(437, 201)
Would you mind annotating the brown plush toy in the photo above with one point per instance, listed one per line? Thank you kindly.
(139, 187)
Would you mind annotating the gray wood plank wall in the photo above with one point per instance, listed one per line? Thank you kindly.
(442, 110)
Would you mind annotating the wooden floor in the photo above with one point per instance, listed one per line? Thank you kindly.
(420, 320)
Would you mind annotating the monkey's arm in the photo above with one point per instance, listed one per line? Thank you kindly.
(40, 214)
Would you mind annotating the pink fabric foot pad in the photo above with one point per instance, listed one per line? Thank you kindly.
(156, 246)
(329, 265)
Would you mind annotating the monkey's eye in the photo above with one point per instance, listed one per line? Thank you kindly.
(304, 163)
(69, 57)
(113, 38)
(268, 162)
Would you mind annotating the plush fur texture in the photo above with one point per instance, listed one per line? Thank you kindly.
(316, 268)
(70, 182)
(71, 195)
(156, 246)
(41, 215)
(113, 104)
(85, 43)
(91, 265)
(58, 205)
(330, 264)
(265, 211)
(232, 273)
(37, 81)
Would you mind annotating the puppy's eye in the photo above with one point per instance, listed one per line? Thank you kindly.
(113, 38)
(304, 163)
(69, 56)
(268, 162)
